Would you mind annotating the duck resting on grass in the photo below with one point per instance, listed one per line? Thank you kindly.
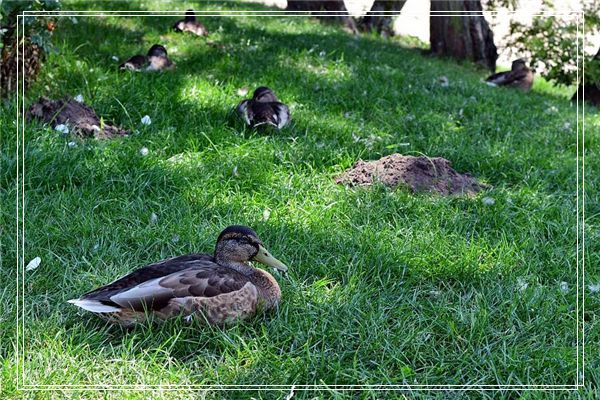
(519, 76)
(135, 63)
(221, 288)
(190, 24)
(157, 60)
(264, 108)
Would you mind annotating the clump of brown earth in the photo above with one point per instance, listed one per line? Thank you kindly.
(420, 174)
(80, 118)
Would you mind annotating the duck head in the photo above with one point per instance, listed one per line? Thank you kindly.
(519, 63)
(158, 59)
(157, 50)
(263, 94)
(238, 244)
(190, 16)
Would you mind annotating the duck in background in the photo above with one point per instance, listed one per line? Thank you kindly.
(190, 24)
(264, 108)
(157, 59)
(135, 63)
(520, 76)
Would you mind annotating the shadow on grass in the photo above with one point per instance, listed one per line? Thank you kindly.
(286, 62)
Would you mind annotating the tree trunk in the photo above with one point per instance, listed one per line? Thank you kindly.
(341, 14)
(592, 84)
(383, 24)
(462, 36)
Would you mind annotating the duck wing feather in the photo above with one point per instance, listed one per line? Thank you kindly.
(151, 287)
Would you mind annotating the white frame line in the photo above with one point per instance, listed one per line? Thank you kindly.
(234, 13)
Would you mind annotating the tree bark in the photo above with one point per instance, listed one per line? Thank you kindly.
(341, 14)
(591, 87)
(462, 36)
(383, 24)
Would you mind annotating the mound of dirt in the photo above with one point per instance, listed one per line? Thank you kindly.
(421, 174)
(78, 117)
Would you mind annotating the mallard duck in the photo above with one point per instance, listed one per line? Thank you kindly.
(135, 63)
(519, 76)
(222, 288)
(190, 24)
(158, 59)
(264, 108)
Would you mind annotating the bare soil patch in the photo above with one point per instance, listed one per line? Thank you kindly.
(420, 174)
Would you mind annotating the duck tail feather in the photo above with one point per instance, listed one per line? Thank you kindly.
(93, 305)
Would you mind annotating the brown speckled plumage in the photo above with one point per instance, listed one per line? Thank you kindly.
(519, 77)
(264, 108)
(190, 24)
(222, 288)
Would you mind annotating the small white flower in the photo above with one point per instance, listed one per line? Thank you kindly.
(78, 98)
(144, 151)
(146, 120)
(444, 82)
(72, 145)
(115, 58)
(552, 110)
(62, 128)
(266, 214)
(594, 288)
(322, 53)
(33, 264)
(175, 238)
(521, 284)
(567, 126)
(347, 114)
(153, 218)
(242, 91)
(488, 201)
(564, 287)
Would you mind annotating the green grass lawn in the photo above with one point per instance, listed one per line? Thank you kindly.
(384, 287)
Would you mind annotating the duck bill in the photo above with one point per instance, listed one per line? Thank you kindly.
(264, 257)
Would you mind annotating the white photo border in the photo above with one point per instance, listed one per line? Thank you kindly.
(20, 231)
